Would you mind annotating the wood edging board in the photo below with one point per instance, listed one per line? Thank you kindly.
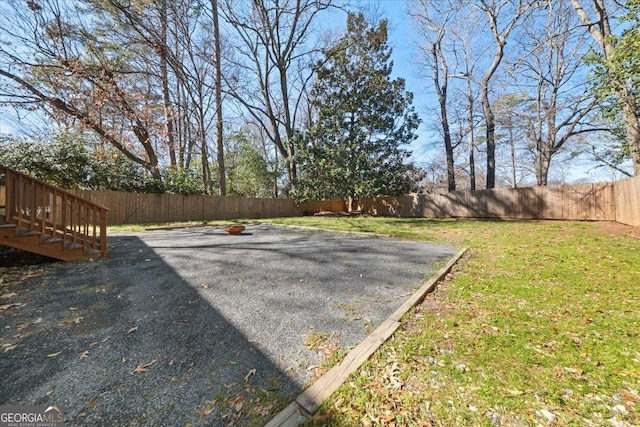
(310, 399)
(427, 288)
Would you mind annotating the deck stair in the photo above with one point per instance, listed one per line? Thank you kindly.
(41, 218)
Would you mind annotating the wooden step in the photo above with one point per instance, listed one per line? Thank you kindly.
(59, 250)
(34, 241)
(7, 230)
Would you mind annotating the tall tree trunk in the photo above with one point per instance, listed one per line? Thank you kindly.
(472, 142)
(204, 153)
(490, 132)
(222, 180)
(440, 81)
(492, 11)
(512, 144)
(542, 167)
(451, 173)
(164, 74)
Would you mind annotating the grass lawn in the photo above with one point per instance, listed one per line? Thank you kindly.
(538, 324)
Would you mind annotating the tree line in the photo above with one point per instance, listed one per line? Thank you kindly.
(268, 97)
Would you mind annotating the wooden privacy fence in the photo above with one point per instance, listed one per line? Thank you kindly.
(129, 208)
(618, 201)
(579, 202)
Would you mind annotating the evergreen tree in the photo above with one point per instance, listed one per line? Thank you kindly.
(354, 148)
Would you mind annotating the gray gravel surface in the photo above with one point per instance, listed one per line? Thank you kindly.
(216, 324)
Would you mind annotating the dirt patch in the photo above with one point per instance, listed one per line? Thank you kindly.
(10, 257)
(616, 229)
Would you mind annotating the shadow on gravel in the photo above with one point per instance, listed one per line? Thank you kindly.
(126, 341)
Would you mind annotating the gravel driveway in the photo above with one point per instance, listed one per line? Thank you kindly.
(195, 327)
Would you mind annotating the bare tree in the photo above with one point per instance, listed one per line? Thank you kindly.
(468, 56)
(274, 64)
(496, 11)
(433, 19)
(551, 73)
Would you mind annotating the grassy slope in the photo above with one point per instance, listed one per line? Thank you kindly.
(538, 325)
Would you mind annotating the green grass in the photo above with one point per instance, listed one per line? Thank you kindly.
(160, 225)
(539, 324)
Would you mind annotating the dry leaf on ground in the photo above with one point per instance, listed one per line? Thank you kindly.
(8, 306)
(91, 404)
(142, 367)
(11, 347)
(71, 321)
(251, 373)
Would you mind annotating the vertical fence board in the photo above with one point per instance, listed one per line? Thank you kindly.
(627, 201)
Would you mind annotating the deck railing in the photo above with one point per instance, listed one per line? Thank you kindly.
(55, 213)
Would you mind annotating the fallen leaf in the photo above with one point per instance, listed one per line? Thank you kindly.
(8, 306)
(11, 347)
(38, 320)
(9, 295)
(132, 330)
(576, 371)
(71, 321)
(54, 354)
(22, 326)
(83, 355)
(142, 368)
(385, 418)
(91, 404)
(249, 375)
(321, 418)
(210, 405)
